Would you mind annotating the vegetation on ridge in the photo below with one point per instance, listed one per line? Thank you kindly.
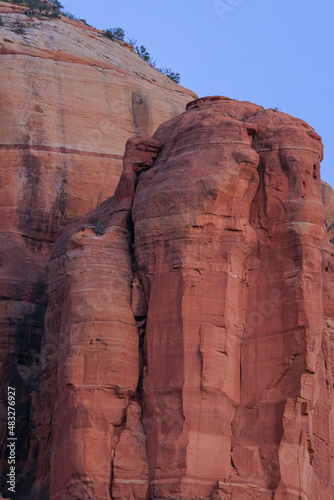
(119, 34)
(53, 9)
(50, 8)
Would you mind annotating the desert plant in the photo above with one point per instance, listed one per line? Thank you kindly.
(109, 34)
(132, 42)
(143, 53)
(34, 6)
(56, 4)
(171, 74)
(71, 16)
(1, 22)
(98, 228)
(56, 8)
(115, 33)
(44, 7)
(37, 6)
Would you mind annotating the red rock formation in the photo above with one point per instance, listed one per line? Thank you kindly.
(192, 235)
(328, 200)
(328, 299)
(233, 298)
(92, 348)
(285, 401)
(70, 98)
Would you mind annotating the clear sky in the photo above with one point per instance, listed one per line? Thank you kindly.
(275, 53)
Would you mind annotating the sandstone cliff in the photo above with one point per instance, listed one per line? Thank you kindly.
(190, 327)
(69, 100)
(328, 200)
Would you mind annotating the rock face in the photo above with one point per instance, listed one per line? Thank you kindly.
(92, 344)
(190, 325)
(328, 200)
(69, 100)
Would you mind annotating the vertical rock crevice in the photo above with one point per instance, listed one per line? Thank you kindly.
(91, 358)
(130, 473)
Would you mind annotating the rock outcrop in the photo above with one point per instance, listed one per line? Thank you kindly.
(69, 100)
(190, 326)
(92, 345)
(328, 200)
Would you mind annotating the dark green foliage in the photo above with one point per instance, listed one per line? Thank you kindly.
(39, 7)
(56, 4)
(109, 34)
(56, 7)
(52, 8)
(75, 18)
(19, 31)
(168, 72)
(36, 6)
(143, 53)
(98, 228)
(146, 56)
(132, 42)
(115, 33)
(71, 16)
(1, 22)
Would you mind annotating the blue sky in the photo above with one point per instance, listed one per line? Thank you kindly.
(274, 53)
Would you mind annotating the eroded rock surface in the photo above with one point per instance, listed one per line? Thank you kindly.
(91, 351)
(208, 285)
(328, 200)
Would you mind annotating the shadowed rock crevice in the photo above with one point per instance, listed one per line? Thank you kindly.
(90, 355)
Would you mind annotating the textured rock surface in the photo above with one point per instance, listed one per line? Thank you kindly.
(328, 200)
(69, 100)
(92, 350)
(236, 366)
(220, 279)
